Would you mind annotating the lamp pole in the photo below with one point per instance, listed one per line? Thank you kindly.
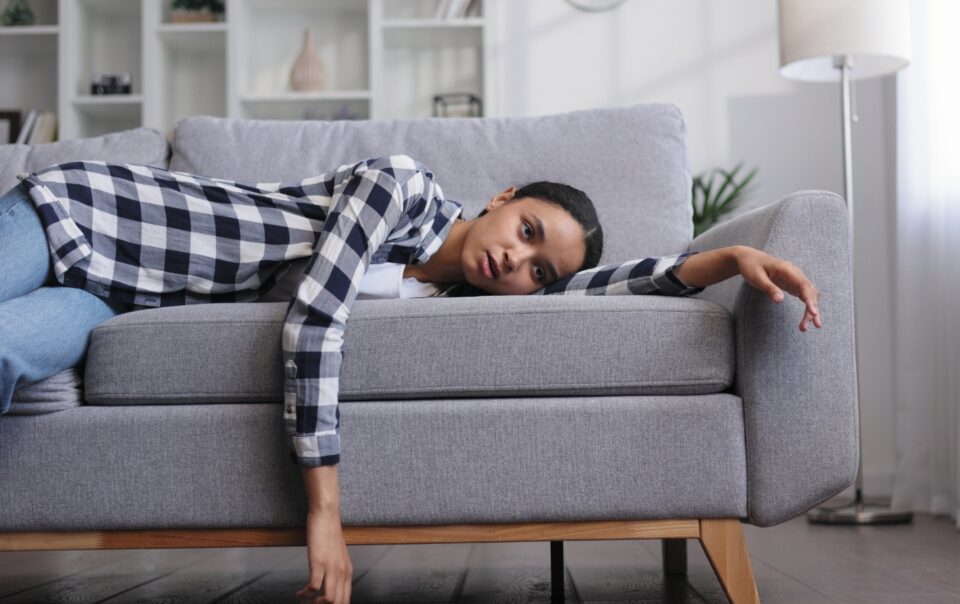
(857, 511)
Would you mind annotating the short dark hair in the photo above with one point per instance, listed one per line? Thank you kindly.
(576, 203)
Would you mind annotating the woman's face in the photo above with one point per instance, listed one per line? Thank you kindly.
(526, 242)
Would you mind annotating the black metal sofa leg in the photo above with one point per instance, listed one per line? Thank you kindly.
(674, 556)
(556, 571)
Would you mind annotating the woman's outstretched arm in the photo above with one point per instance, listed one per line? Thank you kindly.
(767, 273)
(369, 199)
(689, 273)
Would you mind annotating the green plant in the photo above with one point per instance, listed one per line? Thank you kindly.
(214, 6)
(710, 205)
(18, 13)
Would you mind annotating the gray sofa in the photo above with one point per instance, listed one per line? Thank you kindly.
(547, 411)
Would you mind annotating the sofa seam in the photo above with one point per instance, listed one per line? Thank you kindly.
(432, 316)
(704, 381)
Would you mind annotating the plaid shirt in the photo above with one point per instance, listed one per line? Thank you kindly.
(153, 237)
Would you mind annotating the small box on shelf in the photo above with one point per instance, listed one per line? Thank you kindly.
(457, 104)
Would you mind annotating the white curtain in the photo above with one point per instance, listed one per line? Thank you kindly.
(927, 280)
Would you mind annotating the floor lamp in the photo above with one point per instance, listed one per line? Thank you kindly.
(830, 40)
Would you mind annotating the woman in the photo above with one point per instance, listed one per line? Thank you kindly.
(122, 237)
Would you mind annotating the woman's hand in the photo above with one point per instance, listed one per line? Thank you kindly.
(331, 572)
(770, 274)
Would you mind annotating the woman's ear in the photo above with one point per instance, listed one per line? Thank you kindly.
(501, 198)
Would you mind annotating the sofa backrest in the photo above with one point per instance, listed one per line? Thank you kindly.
(137, 146)
(631, 161)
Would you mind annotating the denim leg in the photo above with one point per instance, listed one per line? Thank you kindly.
(25, 262)
(44, 332)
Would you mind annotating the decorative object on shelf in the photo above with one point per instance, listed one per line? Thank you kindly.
(595, 6)
(709, 205)
(196, 11)
(9, 126)
(308, 72)
(18, 12)
(344, 113)
(456, 9)
(110, 83)
(457, 104)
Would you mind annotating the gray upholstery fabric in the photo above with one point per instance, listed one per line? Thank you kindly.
(631, 161)
(404, 462)
(799, 389)
(429, 347)
(60, 391)
(136, 146)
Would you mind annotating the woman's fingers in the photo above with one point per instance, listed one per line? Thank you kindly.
(763, 282)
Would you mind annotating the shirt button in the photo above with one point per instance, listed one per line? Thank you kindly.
(291, 369)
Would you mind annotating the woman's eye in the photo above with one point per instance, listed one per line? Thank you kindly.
(526, 228)
(539, 273)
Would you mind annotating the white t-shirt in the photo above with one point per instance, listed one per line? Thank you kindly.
(380, 282)
(385, 280)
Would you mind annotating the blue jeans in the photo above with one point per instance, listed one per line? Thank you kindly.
(44, 326)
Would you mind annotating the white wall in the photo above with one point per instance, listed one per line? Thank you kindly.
(718, 62)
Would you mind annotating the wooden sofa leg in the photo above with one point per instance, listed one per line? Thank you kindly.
(722, 541)
(674, 556)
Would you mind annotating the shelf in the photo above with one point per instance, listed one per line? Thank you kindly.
(29, 30)
(381, 59)
(111, 8)
(285, 97)
(102, 110)
(97, 100)
(207, 37)
(191, 28)
(420, 35)
(308, 5)
(434, 23)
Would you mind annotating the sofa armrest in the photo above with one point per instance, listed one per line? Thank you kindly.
(799, 390)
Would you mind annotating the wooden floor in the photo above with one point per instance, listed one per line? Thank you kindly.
(794, 562)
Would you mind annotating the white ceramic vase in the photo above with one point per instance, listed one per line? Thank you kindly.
(308, 72)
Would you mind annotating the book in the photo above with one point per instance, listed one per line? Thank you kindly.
(442, 7)
(27, 128)
(45, 129)
(457, 9)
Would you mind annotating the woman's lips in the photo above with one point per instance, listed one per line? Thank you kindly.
(488, 267)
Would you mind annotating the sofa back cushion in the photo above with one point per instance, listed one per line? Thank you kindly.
(630, 160)
(136, 146)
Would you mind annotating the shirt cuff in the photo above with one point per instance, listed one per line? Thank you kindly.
(679, 288)
(326, 460)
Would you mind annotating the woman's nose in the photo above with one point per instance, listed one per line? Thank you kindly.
(514, 258)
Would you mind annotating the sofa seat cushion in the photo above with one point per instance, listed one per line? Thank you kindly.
(59, 392)
(422, 348)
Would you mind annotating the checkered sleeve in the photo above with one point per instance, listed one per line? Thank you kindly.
(369, 199)
(656, 275)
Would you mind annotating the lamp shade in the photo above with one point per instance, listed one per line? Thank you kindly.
(875, 34)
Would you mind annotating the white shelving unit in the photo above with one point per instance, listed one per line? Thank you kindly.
(383, 59)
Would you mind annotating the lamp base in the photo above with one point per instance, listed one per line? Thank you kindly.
(876, 511)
